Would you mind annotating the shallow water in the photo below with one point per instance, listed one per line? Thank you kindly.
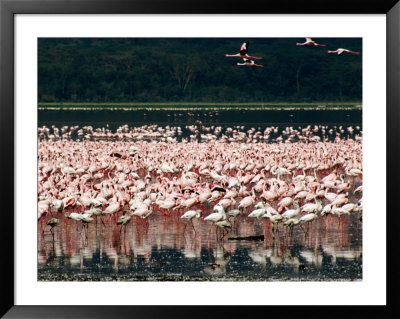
(167, 248)
(101, 118)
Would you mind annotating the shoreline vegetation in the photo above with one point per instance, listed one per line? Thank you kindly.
(182, 106)
(196, 70)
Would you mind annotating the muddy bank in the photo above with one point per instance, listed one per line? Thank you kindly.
(177, 277)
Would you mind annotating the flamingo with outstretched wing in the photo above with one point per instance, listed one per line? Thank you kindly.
(243, 53)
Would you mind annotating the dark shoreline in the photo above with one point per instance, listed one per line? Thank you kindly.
(178, 277)
(279, 106)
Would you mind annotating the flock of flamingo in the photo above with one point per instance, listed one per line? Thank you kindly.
(248, 60)
(214, 174)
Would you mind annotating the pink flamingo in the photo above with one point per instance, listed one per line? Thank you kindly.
(112, 208)
(227, 202)
(310, 42)
(284, 202)
(341, 51)
(248, 62)
(243, 52)
(143, 212)
(247, 201)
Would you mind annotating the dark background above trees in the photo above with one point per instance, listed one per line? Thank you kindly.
(195, 70)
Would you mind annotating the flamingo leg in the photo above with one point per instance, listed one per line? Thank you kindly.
(209, 233)
(223, 233)
(191, 221)
(323, 223)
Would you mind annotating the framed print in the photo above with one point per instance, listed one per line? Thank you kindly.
(192, 155)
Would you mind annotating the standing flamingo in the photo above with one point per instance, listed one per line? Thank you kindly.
(143, 211)
(112, 208)
(257, 213)
(308, 218)
(247, 201)
(291, 223)
(218, 216)
(123, 220)
(223, 224)
(290, 213)
(190, 214)
(53, 222)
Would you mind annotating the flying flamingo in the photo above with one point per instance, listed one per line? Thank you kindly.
(341, 51)
(243, 52)
(310, 42)
(248, 62)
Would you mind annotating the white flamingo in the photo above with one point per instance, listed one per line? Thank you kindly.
(218, 215)
(341, 51)
(257, 213)
(190, 214)
(290, 213)
(291, 223)
(308, 218)
(248, 62)
(222, 225)
(310, 42)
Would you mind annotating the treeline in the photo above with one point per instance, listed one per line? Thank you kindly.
(195, 70)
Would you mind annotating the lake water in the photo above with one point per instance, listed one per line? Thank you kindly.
(99, 118)
(167, 248)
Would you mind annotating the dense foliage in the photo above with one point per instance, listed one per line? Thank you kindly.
(195, 70)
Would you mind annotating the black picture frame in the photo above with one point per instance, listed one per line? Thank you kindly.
(8, 10)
